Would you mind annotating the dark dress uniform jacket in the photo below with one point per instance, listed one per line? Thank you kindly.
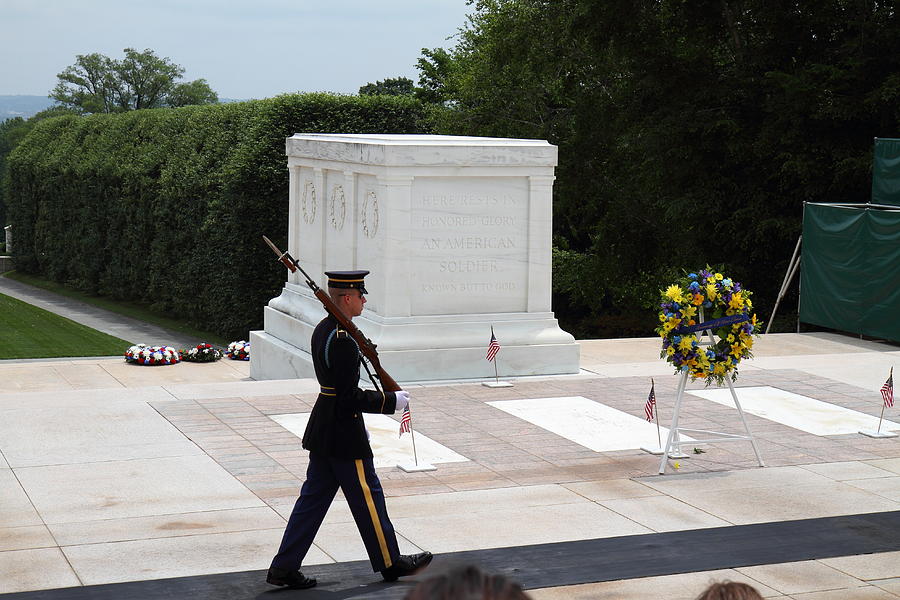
(336, 426)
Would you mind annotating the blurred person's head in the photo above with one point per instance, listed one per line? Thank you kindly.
(467, 582)
(730, 590)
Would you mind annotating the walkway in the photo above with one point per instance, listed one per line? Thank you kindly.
(121, 481)
(114, 324)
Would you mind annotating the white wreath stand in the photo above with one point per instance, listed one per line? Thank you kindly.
(674, 442)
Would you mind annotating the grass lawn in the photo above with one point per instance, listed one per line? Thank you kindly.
(27, 331)
(134, 310)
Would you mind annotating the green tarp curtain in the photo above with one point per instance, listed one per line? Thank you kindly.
(886, 172)
(850, 269)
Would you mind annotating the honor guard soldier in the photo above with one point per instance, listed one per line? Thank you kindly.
(339, 450)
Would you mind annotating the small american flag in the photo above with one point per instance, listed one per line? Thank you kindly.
(651, 402)
(405, 422)
(887, 390)
(493, 347)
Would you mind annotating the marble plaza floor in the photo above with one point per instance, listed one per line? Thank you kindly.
(113, 473)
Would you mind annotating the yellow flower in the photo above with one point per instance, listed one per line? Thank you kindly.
(688, 311)
(675, 293)
(670, 350)
(719, 277)
(711, 291)
(753, 318)
(749, 303)
(685, 343)
(736, 349)
(736, 301)
(730, 337)
(719, 369)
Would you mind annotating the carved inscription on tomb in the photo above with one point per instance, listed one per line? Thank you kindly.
(469, 241)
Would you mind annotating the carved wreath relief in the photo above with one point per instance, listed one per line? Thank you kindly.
(337, 208)
(369, 217)
(308, 202)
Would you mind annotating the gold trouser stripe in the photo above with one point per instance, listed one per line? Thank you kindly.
(367, 493)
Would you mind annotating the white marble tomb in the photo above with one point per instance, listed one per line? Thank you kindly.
(456, 232)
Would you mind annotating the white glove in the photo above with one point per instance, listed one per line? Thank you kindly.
(402, 400)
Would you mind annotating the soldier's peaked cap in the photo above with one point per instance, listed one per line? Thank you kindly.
(347, 279)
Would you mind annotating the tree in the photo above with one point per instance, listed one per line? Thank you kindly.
(191, 93)
(392, 86)
(435, 74)
(97, 83)
(89, 85)
(144, 79)
(687, 131)
(13, 131)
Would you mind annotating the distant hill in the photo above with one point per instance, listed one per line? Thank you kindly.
(28, 106)
(22, 106)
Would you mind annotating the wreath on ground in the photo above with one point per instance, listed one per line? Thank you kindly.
(201, 353)
(707, 301)
(142, 354)
(238, 350)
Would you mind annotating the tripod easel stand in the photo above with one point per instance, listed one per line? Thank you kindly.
(673, 443)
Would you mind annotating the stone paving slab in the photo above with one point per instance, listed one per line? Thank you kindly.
(132, 488)
(37, 569)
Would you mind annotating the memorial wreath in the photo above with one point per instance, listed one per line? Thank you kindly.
(238, 350)
(142, 354)
(727, 308)
(202, 352)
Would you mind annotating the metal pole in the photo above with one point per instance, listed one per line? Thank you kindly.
(672, 432)
(413, 436)
(740, 410)
(788, 277)
(656, 413)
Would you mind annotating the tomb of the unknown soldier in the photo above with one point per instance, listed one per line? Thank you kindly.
(457, 234)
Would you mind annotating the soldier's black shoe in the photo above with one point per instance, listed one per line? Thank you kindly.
(293, 579)
(407, 565)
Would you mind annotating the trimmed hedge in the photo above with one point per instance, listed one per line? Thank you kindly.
(168, 205)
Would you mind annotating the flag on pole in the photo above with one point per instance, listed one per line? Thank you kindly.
(405, 422)
(887, 390)
(493, 347)
(651, 403)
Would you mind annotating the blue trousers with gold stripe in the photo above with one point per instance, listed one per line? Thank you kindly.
(362, 489)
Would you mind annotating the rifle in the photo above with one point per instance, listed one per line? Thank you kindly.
(366, 347)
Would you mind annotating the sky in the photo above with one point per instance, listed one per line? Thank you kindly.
(243, 48)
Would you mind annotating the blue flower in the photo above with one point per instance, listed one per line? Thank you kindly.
(692, 275)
